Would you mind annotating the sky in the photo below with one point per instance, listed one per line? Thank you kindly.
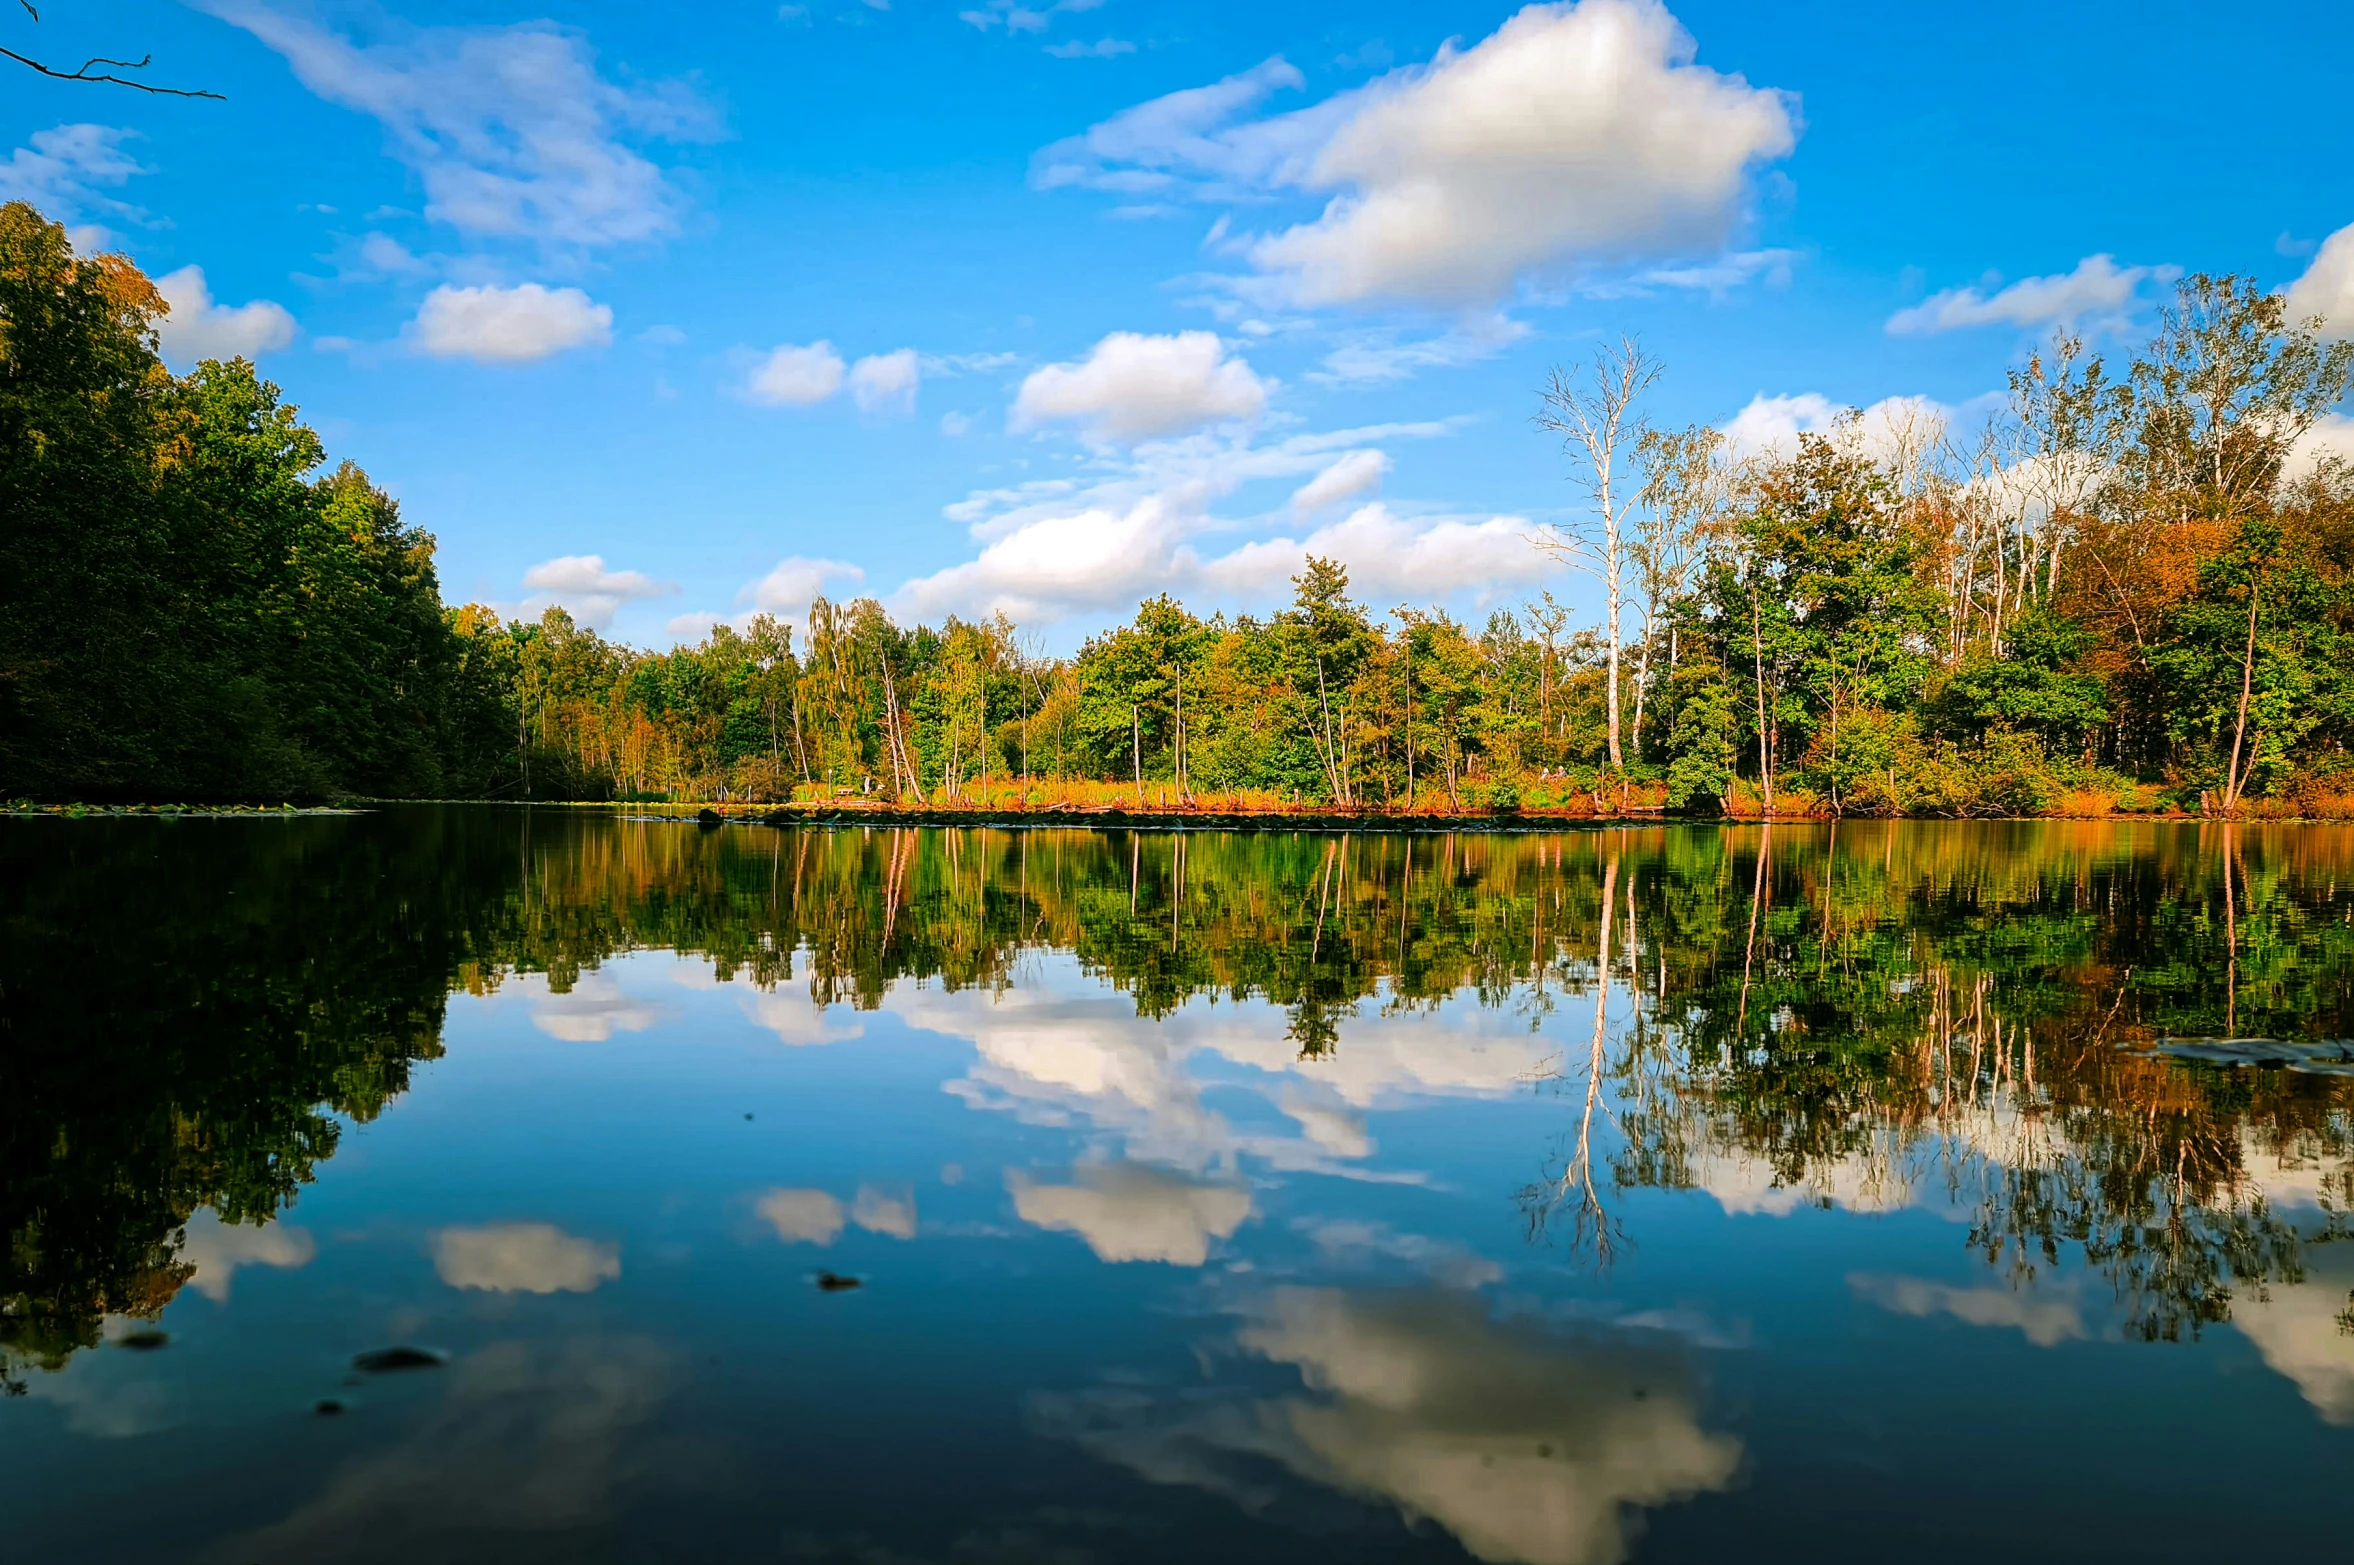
(677, 315)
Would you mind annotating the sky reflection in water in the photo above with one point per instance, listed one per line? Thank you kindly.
(1255, 1198)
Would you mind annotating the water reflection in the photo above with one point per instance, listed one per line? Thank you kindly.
(1529, 1445)
(2095, 1069)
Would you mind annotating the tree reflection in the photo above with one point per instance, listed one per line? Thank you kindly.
(1867, 1014)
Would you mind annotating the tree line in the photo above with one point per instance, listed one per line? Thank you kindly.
(2128, 590)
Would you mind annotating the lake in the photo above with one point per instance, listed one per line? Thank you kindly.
(482, 1183)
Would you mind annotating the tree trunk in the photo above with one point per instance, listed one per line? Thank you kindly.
(2233, 781)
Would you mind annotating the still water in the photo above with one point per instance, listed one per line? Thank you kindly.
(491, 1184)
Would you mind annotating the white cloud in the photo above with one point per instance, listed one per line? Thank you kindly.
(1062, 564)
(880, 1212)
(217, 1249)
(509, 325)
(198, 328)
(2331, 435)
(1723, 274)
(1135, 1212)
(1393, 559)
(795, 582)
(590, 593)
(1366, 358)
(1101, 49)
(1577, 135)
(2098, 288)
(1135, 387)
(1355, 473)
(2326, 289)
(512, 130)
(1770, 426)
(886, 382)
(60, 172)
(796, 376)
(2043, 1320)
(801, 1216)
(523, 1258)
(1007, 14)
(1061, 547)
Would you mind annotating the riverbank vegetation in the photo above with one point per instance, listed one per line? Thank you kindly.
(2131, 591)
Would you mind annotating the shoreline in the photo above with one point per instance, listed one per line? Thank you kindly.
(1102, 817)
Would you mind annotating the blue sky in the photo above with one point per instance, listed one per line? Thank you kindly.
(672, 315)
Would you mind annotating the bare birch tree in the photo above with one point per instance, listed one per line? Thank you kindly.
(1594, 412)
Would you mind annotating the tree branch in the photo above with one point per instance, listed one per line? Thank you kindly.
(84, 74)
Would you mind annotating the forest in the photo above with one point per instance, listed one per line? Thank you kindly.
(2130, 591)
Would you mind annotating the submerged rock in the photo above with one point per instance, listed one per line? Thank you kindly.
(145, 1340)
(385, 1361)
(835, 1282)
(327, 1407)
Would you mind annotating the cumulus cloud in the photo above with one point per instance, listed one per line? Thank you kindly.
(2043, 1320)
(199, 328)
(1058, 565)
(513, 131)
(2098, 289)
(1770, 425)
(795, 582)
(1575, 136)
(1393, 558)
(595, 1007)
(1137, 387)
(886, 382)
(523, 1258)
(2332, 435)
(217, 1250)
(492, 325)
(591, 593)
(801, 1216)
(1135, 1212)
(795, 376)
(1059, 547)
(63, 168)
(1355, 473)
(2326, 289)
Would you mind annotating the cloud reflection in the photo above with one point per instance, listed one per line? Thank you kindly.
(217, 1249)
(801, 1216)
(529, 1445)
(1527, 1445)
(2043, 1320)
(1135, 1212)
(523, 1258)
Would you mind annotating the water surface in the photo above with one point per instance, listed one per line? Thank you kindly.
(1685, 1193)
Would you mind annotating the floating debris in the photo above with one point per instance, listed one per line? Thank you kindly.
(2308, 1056)
(835, 1282)
(328, 1407)
(145, 1340)
(385, 1361)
